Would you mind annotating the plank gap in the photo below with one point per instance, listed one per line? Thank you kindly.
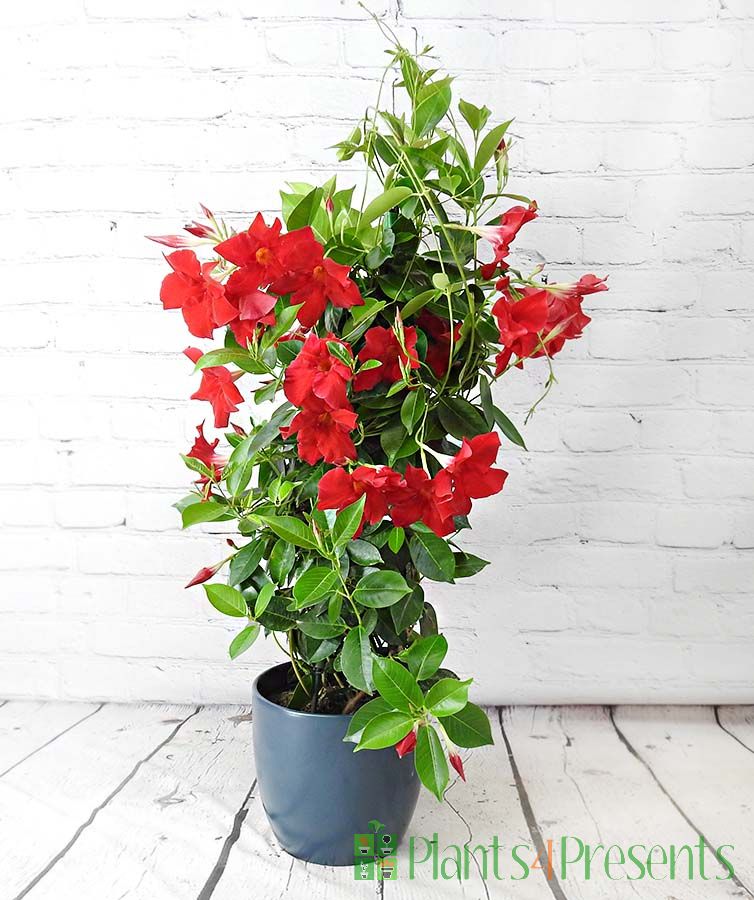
(235, 832)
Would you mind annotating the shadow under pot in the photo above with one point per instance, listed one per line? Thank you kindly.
(319, 796)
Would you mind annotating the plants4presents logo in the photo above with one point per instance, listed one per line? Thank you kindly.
(374, 854)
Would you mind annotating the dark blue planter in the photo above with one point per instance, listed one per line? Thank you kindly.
(317, 793)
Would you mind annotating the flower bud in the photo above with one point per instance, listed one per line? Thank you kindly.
(406, 745)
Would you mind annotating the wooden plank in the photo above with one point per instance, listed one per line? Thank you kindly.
(738, 721)
(473, 813)
(159, 837)
(27, 726)
(584, 784)
(707, 774)
(488, 805)
(48, 801)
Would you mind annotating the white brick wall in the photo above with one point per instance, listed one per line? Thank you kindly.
(623, 544)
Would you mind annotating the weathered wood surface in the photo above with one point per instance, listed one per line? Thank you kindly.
(160, 802)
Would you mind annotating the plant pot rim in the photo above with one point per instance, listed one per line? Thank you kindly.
(259, 697)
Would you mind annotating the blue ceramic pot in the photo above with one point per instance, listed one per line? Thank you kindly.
(317, 793)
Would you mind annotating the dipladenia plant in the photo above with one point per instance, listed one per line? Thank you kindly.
(374, 332)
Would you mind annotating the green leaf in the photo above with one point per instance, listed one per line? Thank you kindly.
(276, 617)
(382, 204)
(469, 727)
(314, 584)
(320, 628)
(226, 600)
(380, 589)
(243, 640)
(430, 762)
(336, 349)
(460, 418)
(432, 556)
(467, 564)
(207, 511)
(485, 395)
(196, 465)
(347, 522)
(413, 408)
(431, 104)
(356, 659)
(363, 716)
(385, 730)
(397, 685)
(396, 538)
(364, 553)
(424, 657)
(281, 561)
(447, 696)
(291, 529)
(507, 427)
(303, 213)
(266, 593)
(418, 302)
(489, 144)
(475, 117)
(407, 611)
(246, 561)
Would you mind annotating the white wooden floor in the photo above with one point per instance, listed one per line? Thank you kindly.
(103, 801)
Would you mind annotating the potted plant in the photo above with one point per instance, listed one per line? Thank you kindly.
(369, 335)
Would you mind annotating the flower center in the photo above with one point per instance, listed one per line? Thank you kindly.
(263, 256)
(319, 273)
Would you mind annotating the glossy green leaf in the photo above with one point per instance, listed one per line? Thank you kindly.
(469, 727)
(363, 553)
(281, 561)
(291, 529)
(363, 715)
(396, 538)
(397, 685)
(265, 595)
(447, 696)
(207, 511)
(314, 584)
(460, 418)
(385, 202)
(429, 759)
(380, 589)
(424, 657)
(347, 522)
(246, 561)
(467, 564)
(226, 599)
(385, 730)
(431, 104)
(507, 427)
(432, 556)
(413, 408)
(417, 303)
(407, 611)
(356, 659)
(489, 144)
(304, 211)
(243, 640)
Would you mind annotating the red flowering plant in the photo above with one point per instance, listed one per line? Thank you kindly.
(374, 332)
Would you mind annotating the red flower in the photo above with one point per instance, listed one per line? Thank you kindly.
(256, 251)
(425, 499)
(205, 452)
(457, 763)
(316, 375)
(472, 473)
(589, 284)
(520, 323)
(406, 744)
(254, 307)
(312, 279)
(382, 344)
(205, 574)
(323, 433)
(339, 489)
(502, 235)
(438, 340)
(201, 298)
(218, 388)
